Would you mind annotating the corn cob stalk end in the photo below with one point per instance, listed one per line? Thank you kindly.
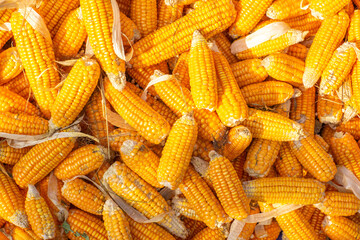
(117, 80)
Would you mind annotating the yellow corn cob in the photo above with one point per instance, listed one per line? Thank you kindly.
(41, 160)
(238, 139)
(177, 152)
(249, 13)
(142, 196)
(10, 155)
(248, 71)
(193, 226)
(286, 164)
(143, 231)
(183, 207)
(124, 6)
(223, 43)
(248, 228)
(355, 87)
(70, 36)
(76, 91)
(303, 110)
(282, 9)
(94, 16)
(346, 152)
(231, 107)
(167, 14)
(314, 158)
(81, 162)
(322, 142)
(175, 38)
(181, 70)
(120, 135)
(285, 190)
(22, 234)
(115, 222)
(202, 74)
(10, 65)
(326, 9)
(5, 15)
(316, 222)
(284, 68)
(307, 211)
(355, 218)
(338, 68)
(133, 109)
(272, 232)
(272, 126)
(203, 147)
(305, 22)
(339, 204)
(99, 173)
(238, 164)
(351, 127)
(209, 233)
(228, 187)
(329, 109)
(354, 30)
(144, 15)
(323, 46)
(261, 156)
(267, 93)
(289, 38)
(338, 228)
(129, 29)
(141, 160)
(39, 64)
(12, 207)
(40, 218)
(13, 103)
(22, 124)
(298, 50)
(19, 85)
(84, 224)
(204, 202)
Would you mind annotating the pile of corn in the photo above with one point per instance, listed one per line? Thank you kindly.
(179, 119)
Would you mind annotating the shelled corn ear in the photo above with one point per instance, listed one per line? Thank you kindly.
(339, 204)
(282, 9)
(323, 46)
(40, 218)
(338, 228)
(223, 43)
(144, 15)
(5, 15)
(175, 38)
(168, 14)
(231, 107)
(183, 207)
(75, 92)
(298, 50)
(10, 64)
(329, 109)
(94, 17)
(21, 123)
(137, 113)
(327, 8)
(177, 152)
(39, 63)
(84, 224)
(115, 222)
(141, 160)
(209, 233)
(238, 139)
(287, 164)
(285, 190)
(19, 85)
(248, 72)
(14, 103)
(354, 30)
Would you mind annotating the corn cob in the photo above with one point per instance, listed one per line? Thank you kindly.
(307, 211)
(285, 190)
(223, 43)
(204, 202)
(40, 217)
(286, 164)
(249, 13)
(168, 14)
(272, 126)
(203, 147)
(10, 65)
(5, 15)
(141, 160)
(175, 38)
(298, 50)
(22, 124)
(23, 234)
(287, 39)
(303, 110)
(272, 232)
(355, 218)
(144, 15)
(41, 160)
(193, 226)
(76, 91)
(144, 231)
(231, 107)
(143, 197)
(329, 109)
(86, 224)
(124, 6)
(238, 164)
(314, 158)
(355, 87)
(326, 9)
(98, 174)
(202, 74)
(183, 207)
(323, 46)
(118, 136)
(338, 68)
(248, 72)
(346, 152)
(132, 108)
(249, 228)
(238, 139)
(101, 41)
(70, 36)
(284, 68)
(267, 93)
(209, 233)
(39, 64)
(10, 155)
(177, 152)
(81, 162)
(338, 228)
(316, 222)
(19, 85)
(282, 9)
(305, 22)
(181, 70)
(339, 204)
(354, 31)
(351, 127)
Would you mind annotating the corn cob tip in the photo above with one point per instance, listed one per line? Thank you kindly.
(32, 192)
(299, 129)
(109, 172)
(326, 222)
(197, 37)
(110, 206)
(212, 45)
(117, 80)
(349, 113)
(200, 165)
(127, 147)
(213, 154)
(266, 62)
(157, 73)
(310, 77)
(339, 134)
(137, 35)
(20, 219)
(271, 13)
(242, 132)
(297, 93)
(171, 2)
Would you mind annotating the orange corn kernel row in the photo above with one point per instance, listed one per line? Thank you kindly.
(248, 72)
(115, 221)
(238, 139)
(10, 155)
(10, 65)
(19, 85)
